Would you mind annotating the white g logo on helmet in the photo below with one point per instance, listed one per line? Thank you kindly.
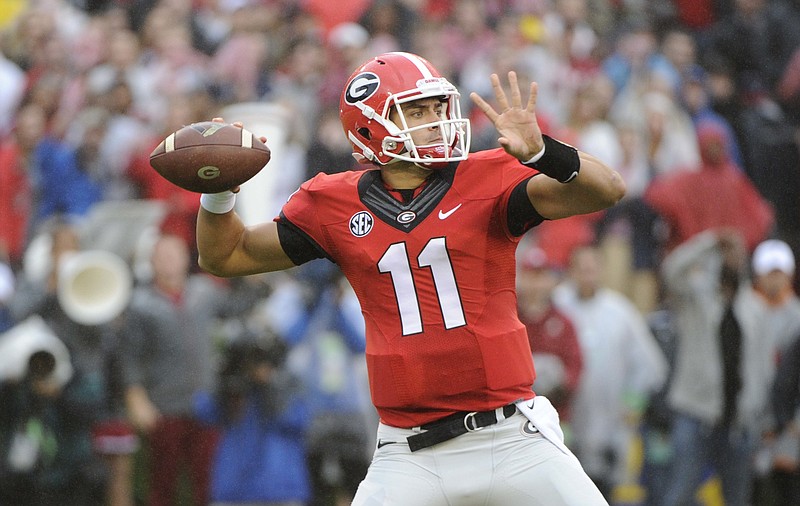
(362, 87)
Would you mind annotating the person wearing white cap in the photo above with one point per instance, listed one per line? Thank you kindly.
(773, 255)
(773, 265)
(722, 368)
(773, 274)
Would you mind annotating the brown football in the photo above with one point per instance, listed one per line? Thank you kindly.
(209, 157)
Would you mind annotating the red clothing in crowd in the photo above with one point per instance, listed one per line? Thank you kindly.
(553, 333)
(15, 204)
(182, 205)
(719, 195)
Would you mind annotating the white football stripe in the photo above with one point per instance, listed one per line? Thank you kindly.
(169, 143)
(247, 138)
(416, 61)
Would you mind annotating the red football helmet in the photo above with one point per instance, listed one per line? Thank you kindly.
(385, 83)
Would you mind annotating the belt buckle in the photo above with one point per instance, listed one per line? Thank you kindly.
(470, 424)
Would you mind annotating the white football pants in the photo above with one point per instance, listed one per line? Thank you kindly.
(510, 463)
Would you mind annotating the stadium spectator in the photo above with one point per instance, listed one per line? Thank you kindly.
(260, 408)
(773, 268)
(723, 367)
(181, 205)
(167, 357)
(12, 89)
(695, 97)
(622, 366)
(715, 196)
(321, 322)
(554, 342)
(90, 404)
(39, 178)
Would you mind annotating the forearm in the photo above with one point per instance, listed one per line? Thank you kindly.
(227, 248)
(217, 238)
(596, 187)
(141, 411)
(676, 266)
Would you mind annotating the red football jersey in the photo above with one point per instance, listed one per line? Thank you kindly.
(436, 281)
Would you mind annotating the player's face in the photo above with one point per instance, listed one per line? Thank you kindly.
(422, 112)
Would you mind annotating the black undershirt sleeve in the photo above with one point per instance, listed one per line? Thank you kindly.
(522, 216)
(298, 246)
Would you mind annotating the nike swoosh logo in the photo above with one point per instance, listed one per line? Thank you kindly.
(381, 444)
(443, 216)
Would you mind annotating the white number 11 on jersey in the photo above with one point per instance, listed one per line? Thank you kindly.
(434, 255)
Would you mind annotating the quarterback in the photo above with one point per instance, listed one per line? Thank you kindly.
(427, 239)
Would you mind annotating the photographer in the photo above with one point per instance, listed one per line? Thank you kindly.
(260, 407)
(92, 472)
(34, 372)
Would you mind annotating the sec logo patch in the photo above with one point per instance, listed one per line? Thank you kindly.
(361, 224)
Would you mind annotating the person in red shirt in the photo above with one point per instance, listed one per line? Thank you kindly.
(554, 342)
(717, 195)
(427, 240)
(40, 179)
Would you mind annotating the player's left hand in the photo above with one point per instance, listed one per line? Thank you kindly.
(520, 135)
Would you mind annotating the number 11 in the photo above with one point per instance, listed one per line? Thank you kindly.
(434, 255)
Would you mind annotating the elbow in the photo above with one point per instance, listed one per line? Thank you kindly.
(210, 267)
(616, 189)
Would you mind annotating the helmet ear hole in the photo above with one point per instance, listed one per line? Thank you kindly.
(364, 132)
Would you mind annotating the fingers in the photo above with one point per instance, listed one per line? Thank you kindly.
(502, 98)
(516, 97)
(484, 106)
(499, 93)
(237, 124)
(534, 93)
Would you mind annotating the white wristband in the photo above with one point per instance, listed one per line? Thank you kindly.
(218, 203)
(535, 158)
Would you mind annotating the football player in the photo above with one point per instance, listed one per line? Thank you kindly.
(427, 239)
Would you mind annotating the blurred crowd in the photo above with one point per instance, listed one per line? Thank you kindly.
(666, 330)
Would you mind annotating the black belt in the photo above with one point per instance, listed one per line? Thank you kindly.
(455, 425)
